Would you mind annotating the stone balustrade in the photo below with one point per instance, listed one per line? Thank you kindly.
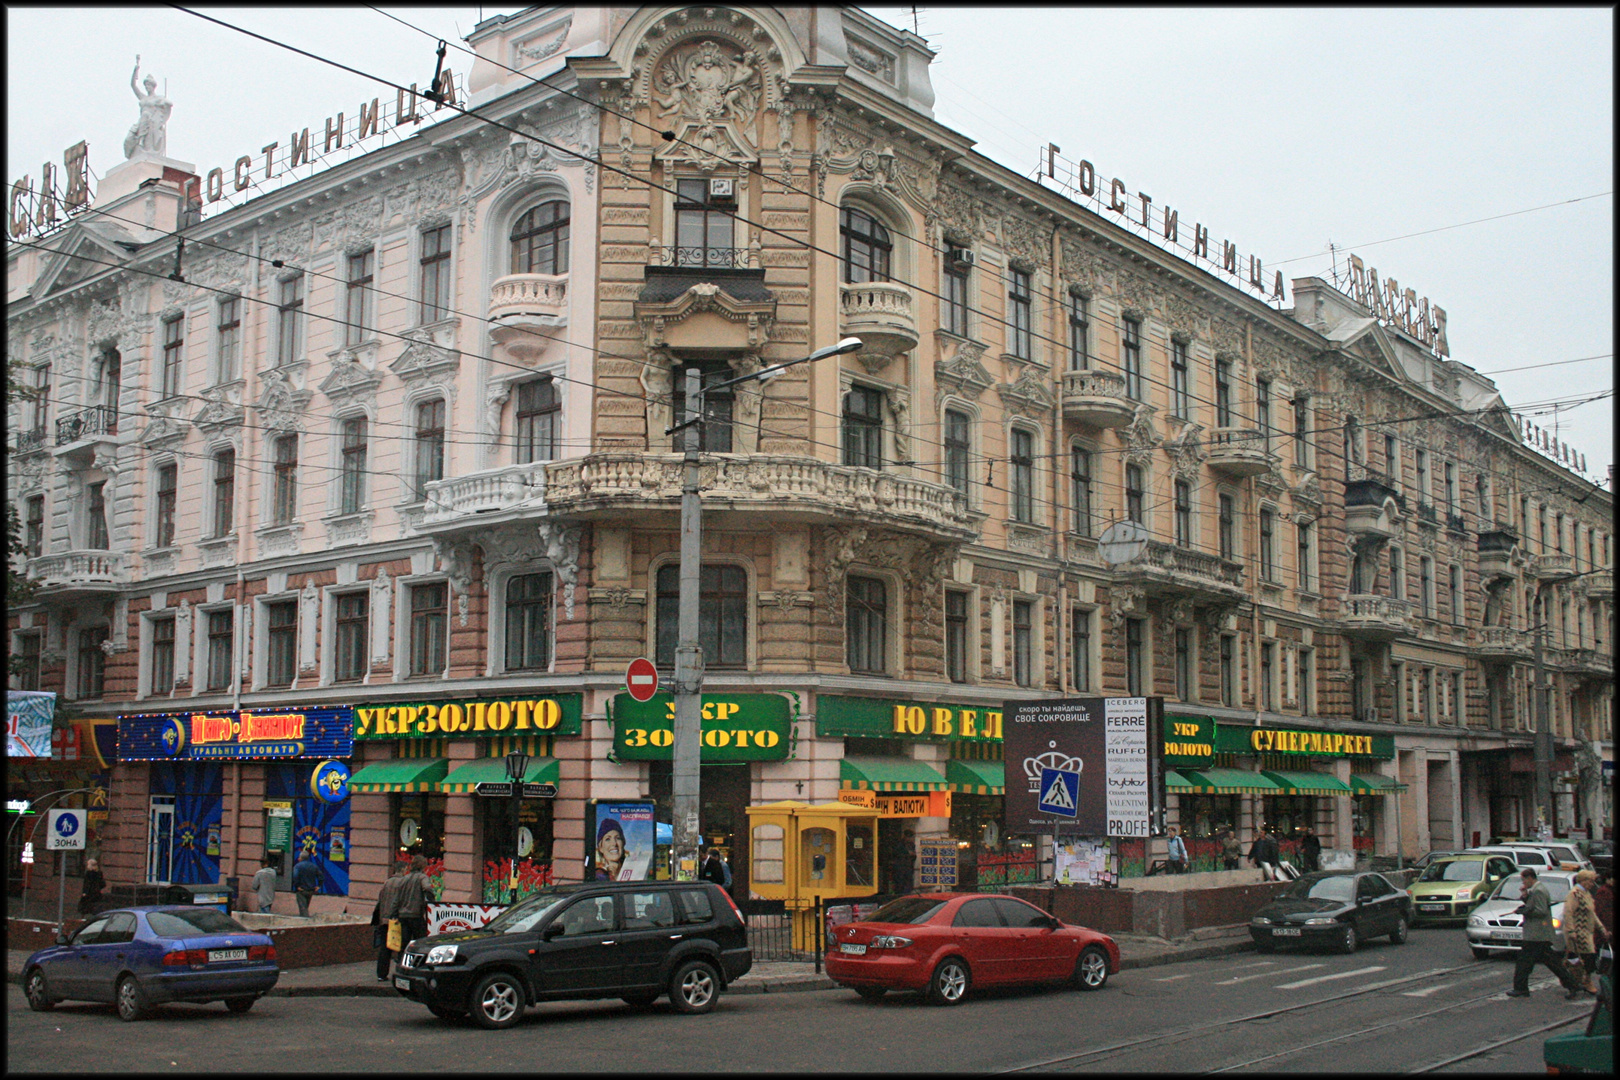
(459, 499)
(1239, 452)
(1096, 399)
(880, 313)
(79, 569)
(1367, 615)
(525, 297)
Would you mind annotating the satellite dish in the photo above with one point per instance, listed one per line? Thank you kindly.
(1121, 542)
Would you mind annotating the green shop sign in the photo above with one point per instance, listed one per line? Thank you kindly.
(736, 727)
(886, 718)
(558, 714)
(1189, 740)
(1268, 740)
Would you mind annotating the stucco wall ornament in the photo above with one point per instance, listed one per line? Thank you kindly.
(1128, 602)
(282, 403)
(843, 546)
(963, 373)
(421, 359)
(1187, 451)
(351, 225)
(351, 382)
(1028, 396)
(1141, 437)
(218, 412)
(561, 546)
(712, 89)
(537, 47)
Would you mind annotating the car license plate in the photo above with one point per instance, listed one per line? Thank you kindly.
(1504, 937)
(403, 984)
(216, 955)
(1431, 907)
(853, 950)
(1287, 931)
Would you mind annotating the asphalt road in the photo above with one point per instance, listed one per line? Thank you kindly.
(1386, 1008)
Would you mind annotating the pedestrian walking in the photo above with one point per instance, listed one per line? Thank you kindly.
(94, 884)
(715, 869)
(264, 883)
(410, 902)
(1231, 850)
(306, 881)
(1177, 853)
(380, 920)
(1535, 947)
(1264, 854)
(1583, 930)
(1310, 851)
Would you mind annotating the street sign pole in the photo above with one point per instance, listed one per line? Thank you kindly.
(688, 722)
(61, 887)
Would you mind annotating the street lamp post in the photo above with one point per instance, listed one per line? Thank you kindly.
(687, 727)
(517, 763)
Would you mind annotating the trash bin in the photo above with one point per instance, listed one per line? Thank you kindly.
(214, 896)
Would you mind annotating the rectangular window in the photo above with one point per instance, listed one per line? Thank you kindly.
(357, 299)
(429, 628)
(1541, 520)
(537, 411)
(352, 486)
(1558, 533)
(285, 495)
(162, 657)
(1133, 657)
(1426, 586)
(1454, 587)
(221, 641)
(42, 397)
(1307, 681)
(1302, 431)
(1268, 555)
(1184, 664)
(1183, 514)
(224, 492)
(1268, 654)
(28, 652)
(956, 293)
(230, 340)
(722, 615)
(1023, 635)
(1180, 381)
(1392, 461)
(1307, 579)
(429, 444)
(1223, 392)
(1399, 686)
(863, 427)
(867, 620)
(1459, 703)
(1133, 493)
(1023, 475)
(714, 434)
(1227, 527)
(1018, 314)
(1132, 344)
(1451, 488)
(290, 320)
(956, 635)
(1079, 333)
(92, 662)
(1397, 575)
(1080, 649)
(281, 642)
(1423, 493)
(1262, 410)
(1228, 670)
(528, 622)
(167, 477)
(435, 273)
(1080, 479)
(34, 537)
(173, 355)
(703, 230)
(351, 649)
(96, 519)
(957, 449)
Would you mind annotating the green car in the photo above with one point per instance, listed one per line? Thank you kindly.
(1591, 1051)
(1452, 887)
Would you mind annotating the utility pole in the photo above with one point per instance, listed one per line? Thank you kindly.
(1544, 739)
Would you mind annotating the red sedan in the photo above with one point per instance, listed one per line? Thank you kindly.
(944, 943)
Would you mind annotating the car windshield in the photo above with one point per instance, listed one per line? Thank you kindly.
(1512, 889)
(1328, 888)
(527, 913)
(1458, 870)
(907, 909)
(179, 924)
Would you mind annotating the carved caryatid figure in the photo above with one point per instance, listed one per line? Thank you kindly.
(150, 132)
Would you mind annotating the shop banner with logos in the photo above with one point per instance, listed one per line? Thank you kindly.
(263, 734)
(1236, 739)
(554, 714)
(454, 918)
(885, 718)
(1085, 766)
(736, 727)
(28, 723)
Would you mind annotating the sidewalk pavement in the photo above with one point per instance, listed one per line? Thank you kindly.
(766, 977)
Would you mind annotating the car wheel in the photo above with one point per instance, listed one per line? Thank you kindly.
(239, 1004)
(640, 1001)
(1091, 969)
(872, 993)
(949, 984)
(1348, 943)
(694, 988)
(497, 1000)
(131, 999)
(447, 1014)
(1398, 935)
(39, 995)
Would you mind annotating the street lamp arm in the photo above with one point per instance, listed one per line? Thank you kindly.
(847, 345)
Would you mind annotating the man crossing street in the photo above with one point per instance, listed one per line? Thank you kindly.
(1536, 945)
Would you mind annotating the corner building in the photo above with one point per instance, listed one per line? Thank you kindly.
(1333, 596)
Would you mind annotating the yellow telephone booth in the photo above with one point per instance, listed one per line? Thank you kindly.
(801, 851)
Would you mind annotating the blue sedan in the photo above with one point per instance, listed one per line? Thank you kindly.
(142, 956)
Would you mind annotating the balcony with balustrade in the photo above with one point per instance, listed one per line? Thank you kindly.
(481, 499)
(1239, 452)
(528, 304)
(1553, 567)
(1372, 506)
(882, 314)
(1496, 550)
(1170, 570)
(1600, 585)
(65, 576)
(1588, 663)
(1096, 399)
(1502, 644)
(1374, 618)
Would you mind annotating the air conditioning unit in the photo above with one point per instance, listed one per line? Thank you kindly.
(722, 191)
(959, 258)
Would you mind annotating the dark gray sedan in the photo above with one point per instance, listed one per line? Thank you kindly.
(1336, 909)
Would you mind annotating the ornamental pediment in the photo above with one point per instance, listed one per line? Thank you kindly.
(1029, 395)
(707, 315)
(84, 254)
(963, 372)
(423, 359)
(349, 381)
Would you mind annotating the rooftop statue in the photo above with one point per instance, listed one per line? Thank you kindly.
(149, 133)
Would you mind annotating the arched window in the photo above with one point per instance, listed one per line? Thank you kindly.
(867, 247)
(540, 240)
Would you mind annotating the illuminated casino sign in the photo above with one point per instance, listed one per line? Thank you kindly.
(237, 735)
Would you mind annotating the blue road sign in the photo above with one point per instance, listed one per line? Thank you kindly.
(1060, 792)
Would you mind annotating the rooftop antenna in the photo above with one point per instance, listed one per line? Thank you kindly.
(915, 26)
(1334, 251)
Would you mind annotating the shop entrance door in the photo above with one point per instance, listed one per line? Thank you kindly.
(160, 840)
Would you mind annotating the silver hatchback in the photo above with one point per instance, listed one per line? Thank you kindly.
(1494, 926)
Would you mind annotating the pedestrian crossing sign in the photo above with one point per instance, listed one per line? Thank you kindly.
(1060, 792)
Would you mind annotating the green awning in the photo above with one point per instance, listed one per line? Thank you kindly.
(1175, 782)
(1307, 783)
(492, 770)
(1374, 784)
(890, 774)
(401, 774)
(977, 777)
(1230, 782)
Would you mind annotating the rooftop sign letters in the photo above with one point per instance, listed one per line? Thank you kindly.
(558, 714)
(883, 718)
(231, 735)
(1399, 308)
(30, 214)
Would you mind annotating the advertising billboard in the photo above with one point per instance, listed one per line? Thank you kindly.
(323, 731)
(623, 835)
(28, 723)
(1085, 766)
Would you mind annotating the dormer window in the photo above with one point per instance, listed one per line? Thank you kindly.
(540, 240)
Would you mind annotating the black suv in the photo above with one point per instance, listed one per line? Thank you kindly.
(635, 940)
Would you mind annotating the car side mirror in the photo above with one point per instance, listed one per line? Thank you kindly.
(1052, 923)
(553, 931)
(61, 938)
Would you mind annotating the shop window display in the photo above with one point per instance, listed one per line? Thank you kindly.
(318, 827)
(418, 829)
(533, 844)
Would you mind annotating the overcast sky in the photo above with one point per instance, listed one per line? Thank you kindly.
(1278, 129)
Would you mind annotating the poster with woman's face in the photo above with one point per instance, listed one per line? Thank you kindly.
(624, 834)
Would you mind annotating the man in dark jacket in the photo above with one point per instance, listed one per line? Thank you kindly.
(1536, 945)
(1310, 851)
(306, 881)
(1264, 854)
(410, 901)
(714, 869)
(380, 920)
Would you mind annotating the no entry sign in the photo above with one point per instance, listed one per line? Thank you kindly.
(641, 679)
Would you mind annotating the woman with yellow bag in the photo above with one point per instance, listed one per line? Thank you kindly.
(388, 934)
